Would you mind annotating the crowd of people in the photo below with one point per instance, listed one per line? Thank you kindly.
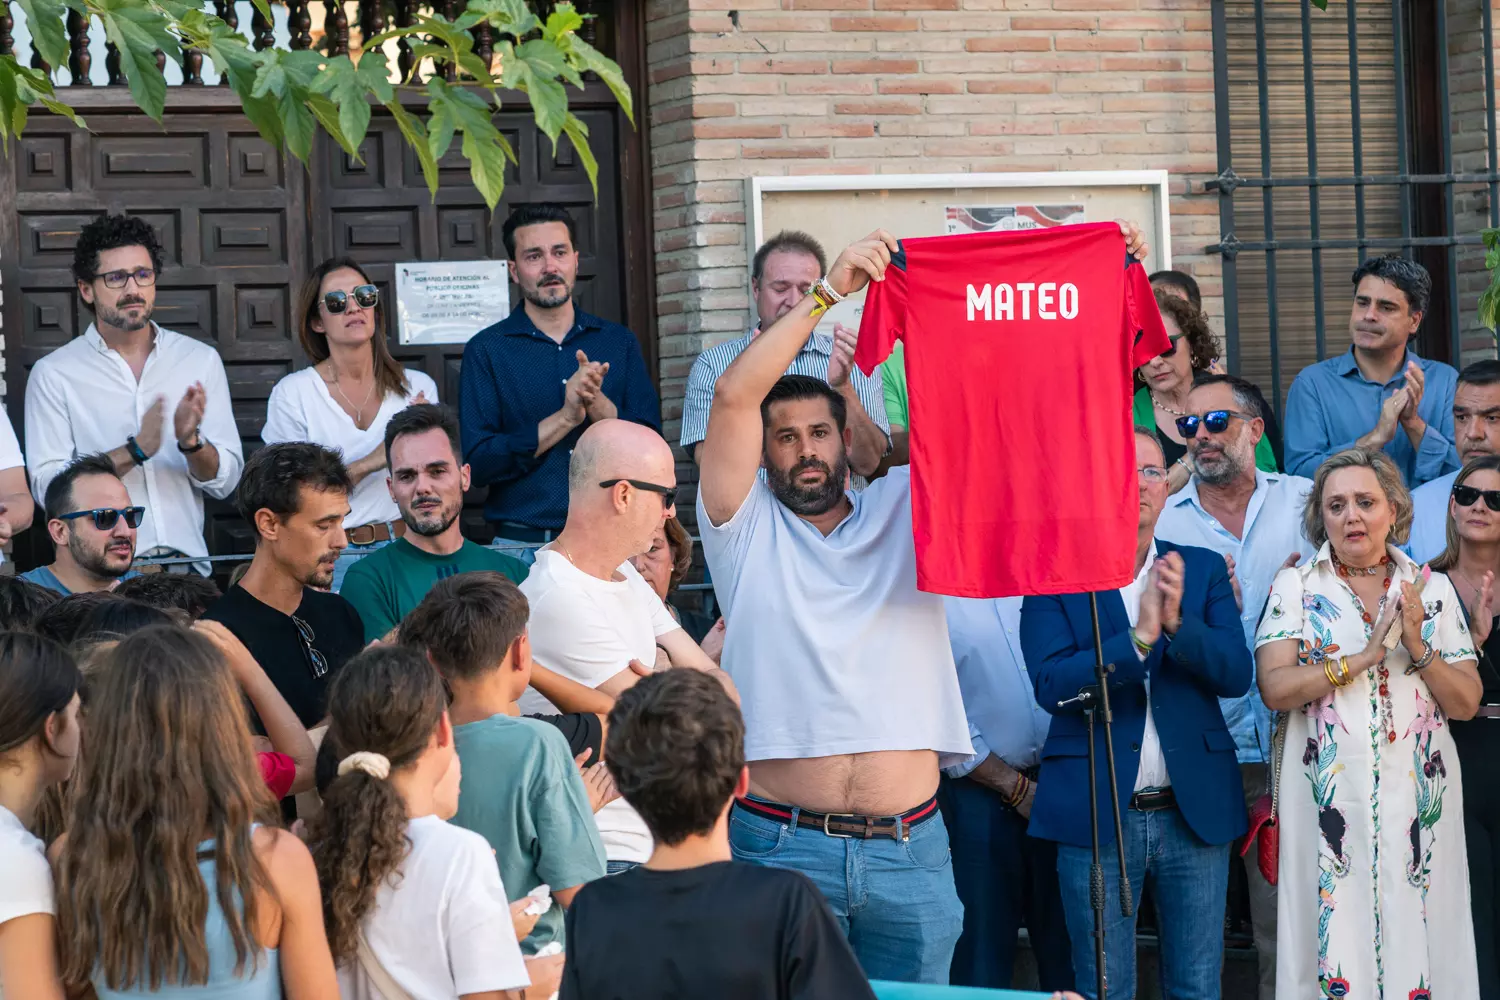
(388, 761)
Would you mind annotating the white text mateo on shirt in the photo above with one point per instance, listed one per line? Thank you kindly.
(1053, 301)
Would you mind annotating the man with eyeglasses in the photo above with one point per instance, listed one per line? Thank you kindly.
(1174, 646)
(295, 497)
(155, 401)
(1253, 519)
(93, 526)
(592, 614)
(1476, 428)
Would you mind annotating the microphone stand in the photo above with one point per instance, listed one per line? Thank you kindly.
(1096, 699)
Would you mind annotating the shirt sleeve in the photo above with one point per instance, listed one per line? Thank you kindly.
(28, 882)
(640, 403)
(572, 639)
(883, 321)
(285, 420)
(494, 452)
(1308, 441)
(10, 447)
(1447, 630)
(49, 433)
(1283, 616)
(482, 949)
(818, 960)
(961, 766)
(1143, 317)
(697, 398)
(582, 730)
(892, 380)
(220, 430)
(568, 838)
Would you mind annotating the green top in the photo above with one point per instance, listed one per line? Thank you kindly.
(522, 793)
(1145, 418)
(893, 381)
(386, 584)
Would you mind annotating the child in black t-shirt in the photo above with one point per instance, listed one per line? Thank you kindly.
(691, 923)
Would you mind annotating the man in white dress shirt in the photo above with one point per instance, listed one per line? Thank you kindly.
(1476, 431)
(155, 401)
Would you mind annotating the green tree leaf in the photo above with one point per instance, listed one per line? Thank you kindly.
(578, 134)
(44, 19)
(327, 114)
(589, 59)
(341, 83)
(138, 32)
(297, 125)
(1489, 299)
(509, 17)
(416, 136)
(12, 110)
(563, 20)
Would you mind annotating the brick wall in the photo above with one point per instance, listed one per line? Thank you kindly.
(746, 87)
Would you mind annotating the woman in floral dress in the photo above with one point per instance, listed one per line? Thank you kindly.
(1374, 892)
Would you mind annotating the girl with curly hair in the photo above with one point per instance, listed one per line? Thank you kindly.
(167, 881)
(414, 906)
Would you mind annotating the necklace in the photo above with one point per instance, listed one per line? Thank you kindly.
(1163, 406)
(359, 411)
(1348, 571)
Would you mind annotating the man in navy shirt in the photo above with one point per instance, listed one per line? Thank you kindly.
(532, 382)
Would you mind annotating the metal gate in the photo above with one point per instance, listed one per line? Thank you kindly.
(1364, 128)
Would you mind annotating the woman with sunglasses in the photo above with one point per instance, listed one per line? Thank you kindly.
(1472, 562)
(344, 400)
(1165, 382)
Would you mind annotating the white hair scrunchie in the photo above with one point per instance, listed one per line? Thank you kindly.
(376, 765)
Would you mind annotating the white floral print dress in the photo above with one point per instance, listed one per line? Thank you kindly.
(1373, 900)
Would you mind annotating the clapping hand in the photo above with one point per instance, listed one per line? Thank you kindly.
(841, 361)
(598, 406)
(1416, 380)
(597, 781)
(189, 414)
(148, 435)
(1412, 613)
(582, 388)
(1482, 611)
(1169, 573)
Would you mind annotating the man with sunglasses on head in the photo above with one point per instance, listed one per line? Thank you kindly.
(155, 401)
(1253, 519)
(93, 526)
(592, 614)
(1476, 428)
(295, 497)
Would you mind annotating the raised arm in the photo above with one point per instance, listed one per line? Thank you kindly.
(729, 458)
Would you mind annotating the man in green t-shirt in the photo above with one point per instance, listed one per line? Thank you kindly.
(427, 480)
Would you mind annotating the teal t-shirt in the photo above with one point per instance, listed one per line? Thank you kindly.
(522, 792)
(386, 584)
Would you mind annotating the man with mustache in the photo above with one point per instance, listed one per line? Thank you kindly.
(533, 382)
(93, 526)
(155, 401)
(294, 496)
(1379, 393)
(1476, 425)
(1254, 520)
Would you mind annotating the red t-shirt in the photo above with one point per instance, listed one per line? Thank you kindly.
(1019, 354)
(278, 771)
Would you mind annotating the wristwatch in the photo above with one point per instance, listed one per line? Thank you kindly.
(198, 434)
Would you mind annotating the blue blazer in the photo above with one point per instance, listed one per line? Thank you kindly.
(1205, 661)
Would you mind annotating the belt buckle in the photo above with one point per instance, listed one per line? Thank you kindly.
(829, 833)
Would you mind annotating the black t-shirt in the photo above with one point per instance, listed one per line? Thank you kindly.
(583, 730)
(727, 931)
(273, 639)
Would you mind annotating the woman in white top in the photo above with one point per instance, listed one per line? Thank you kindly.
(38, 744)
(345, 399)
(414, 906)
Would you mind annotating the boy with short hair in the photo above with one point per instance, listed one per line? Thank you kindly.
(691, 922)
(521, 791)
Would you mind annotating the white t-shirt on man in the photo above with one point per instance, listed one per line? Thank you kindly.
(588, 630)
(832, 647)
(442, 927)
(26, 886)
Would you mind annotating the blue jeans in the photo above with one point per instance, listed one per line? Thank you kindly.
(893, 899)
(351, 555)
(1190, 881)
(1005, 880)
(524, 551)
(618, 867)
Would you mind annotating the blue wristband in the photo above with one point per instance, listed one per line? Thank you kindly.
(137, 456)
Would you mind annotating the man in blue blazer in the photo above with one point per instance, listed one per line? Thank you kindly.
(1173, 646)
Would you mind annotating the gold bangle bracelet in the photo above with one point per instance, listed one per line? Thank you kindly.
(1344, 671)
(1328, 673)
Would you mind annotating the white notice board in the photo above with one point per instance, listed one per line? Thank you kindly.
(447, 302)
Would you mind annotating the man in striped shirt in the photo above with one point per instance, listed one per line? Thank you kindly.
(784, 268)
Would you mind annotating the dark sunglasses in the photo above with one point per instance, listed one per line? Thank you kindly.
(365, 296)
(316, 661)
(1173, 348)
(1217, 422)
(668, 493)
(105, 518)
(1468, 496)
(144, 277)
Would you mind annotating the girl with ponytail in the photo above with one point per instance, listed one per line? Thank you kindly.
(413, 905)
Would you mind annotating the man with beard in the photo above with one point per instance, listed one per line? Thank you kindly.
(845, 671)
(427, 480)
(531, 383)
(295, 497)
(1476, 428)
(156, 402)
(93, 526)
(1254, 520)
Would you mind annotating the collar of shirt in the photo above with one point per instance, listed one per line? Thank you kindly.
(96, 340)
(519, 324)
(1346, 366)
(1264, 483)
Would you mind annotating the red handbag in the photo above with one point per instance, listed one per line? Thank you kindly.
(1265, 832)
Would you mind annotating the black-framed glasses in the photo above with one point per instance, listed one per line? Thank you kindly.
(667, 493)
(316, 661)
(365, 296)
(1217, 422)
(1468, 496)
(144, 277)
(105, 518)
(1172, 349)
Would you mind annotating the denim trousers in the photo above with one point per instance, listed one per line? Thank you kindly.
(1006, 881)
(895, 900)
(1189, 879)
(347, 558)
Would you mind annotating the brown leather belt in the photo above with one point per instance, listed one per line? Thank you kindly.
(1488, 712)
(1153, 799)
(844, 824)
(376, 531)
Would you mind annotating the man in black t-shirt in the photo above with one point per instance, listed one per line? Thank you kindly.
(691, 922)
(295, 496)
